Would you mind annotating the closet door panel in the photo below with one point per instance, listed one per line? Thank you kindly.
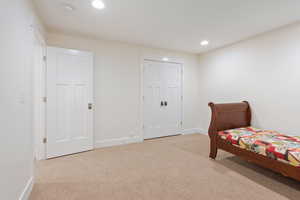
(153, 89)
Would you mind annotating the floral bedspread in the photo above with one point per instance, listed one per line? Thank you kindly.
(275, 145)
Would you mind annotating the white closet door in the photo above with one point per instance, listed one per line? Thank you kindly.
(153, 89)
(172, 75)
(162, 99)
(69, 101)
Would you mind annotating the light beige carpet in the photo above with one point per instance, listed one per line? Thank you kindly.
(163, 169)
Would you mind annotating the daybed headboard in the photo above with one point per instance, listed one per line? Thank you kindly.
(228, 116)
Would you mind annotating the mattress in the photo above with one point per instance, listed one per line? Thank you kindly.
(275, 145)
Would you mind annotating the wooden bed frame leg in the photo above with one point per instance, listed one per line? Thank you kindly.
(213, 149)
(213, 132)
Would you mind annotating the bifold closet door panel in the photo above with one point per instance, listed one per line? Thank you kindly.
(153, 92)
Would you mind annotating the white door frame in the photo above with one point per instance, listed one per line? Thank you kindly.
(160, 59)
(39, 107)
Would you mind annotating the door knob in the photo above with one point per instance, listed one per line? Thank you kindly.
(161, 103)
(166, 103)
(90, 106)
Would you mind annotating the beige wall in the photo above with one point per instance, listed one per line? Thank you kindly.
(16, 52)
(264, 70)
(117, 86)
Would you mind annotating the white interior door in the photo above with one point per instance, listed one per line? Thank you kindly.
(162, 99)
(69, 101)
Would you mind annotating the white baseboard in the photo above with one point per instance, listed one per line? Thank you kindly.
(27, 190)
(117, 141)
(193, 131)
(203, 131)
(138, 139)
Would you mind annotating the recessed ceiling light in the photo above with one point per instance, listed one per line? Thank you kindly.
(165, 59)
(68, 7)
(98, 4)
(204, 43)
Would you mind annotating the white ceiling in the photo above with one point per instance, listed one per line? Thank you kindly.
(171, 24)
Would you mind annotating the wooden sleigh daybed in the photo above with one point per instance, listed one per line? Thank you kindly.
(230, 130)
